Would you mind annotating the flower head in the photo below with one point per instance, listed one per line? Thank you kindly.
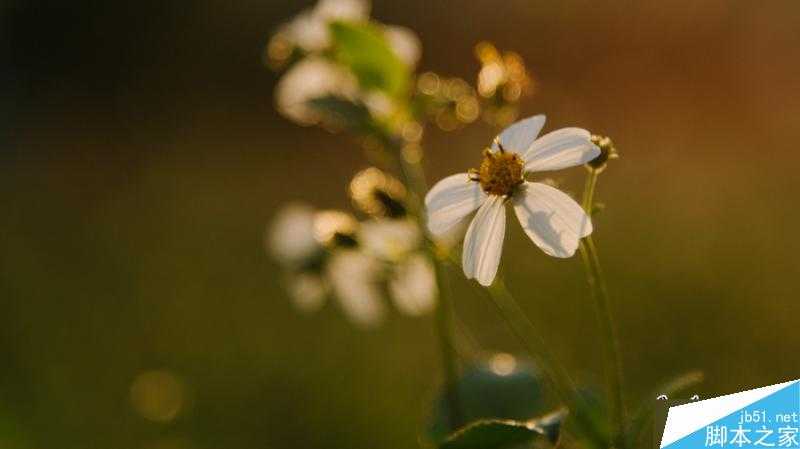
(553, 220)
(329, 253)
(301, 240)
(387, 260)
(378, 194)
(607, 152)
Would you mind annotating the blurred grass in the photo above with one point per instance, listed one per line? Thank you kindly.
(142, 160)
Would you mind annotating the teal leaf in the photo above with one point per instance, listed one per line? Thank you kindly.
(484, 393)
(363, 48)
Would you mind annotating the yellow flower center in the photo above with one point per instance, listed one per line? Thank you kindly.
(500, 172)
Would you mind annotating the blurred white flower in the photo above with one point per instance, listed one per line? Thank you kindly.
(551, 218)
(411, 276)
(355, 278)
(389, 240)
(301, 239)
(312, 78)
(290, 238)
(412, 285)
(378, 103)
(405, 44)
(309, 29)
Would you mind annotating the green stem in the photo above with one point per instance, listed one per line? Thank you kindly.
(530, 337)
(444, 328)
(611, 352)
(414, 180)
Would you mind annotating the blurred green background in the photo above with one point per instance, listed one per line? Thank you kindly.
(142, 157)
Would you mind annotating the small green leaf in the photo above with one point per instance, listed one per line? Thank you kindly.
(363, 48)
(506, 434)
(351, 115)
(491, 434)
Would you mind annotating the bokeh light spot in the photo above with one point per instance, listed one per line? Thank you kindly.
(157, 395)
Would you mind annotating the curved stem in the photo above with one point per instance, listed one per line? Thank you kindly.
(611, 352)
(530, 337)
(444, 328)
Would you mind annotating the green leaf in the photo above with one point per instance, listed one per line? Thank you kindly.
(354, 116)
(506, 434)
(491, 434)
(363, 48)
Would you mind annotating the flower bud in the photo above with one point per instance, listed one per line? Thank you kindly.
(378, 194)
(607, 151)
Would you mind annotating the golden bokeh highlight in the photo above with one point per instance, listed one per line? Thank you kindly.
(502, 82)
(451, 103)
(158, 395)
(503, 364)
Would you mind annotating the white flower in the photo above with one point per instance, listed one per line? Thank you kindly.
(553, 220)
(412, 285)
(309, 29)
(404, 43)
(389, 240)
(388, 260)
(411, 277)
(355, 278)
(312, 78)
(290, 238)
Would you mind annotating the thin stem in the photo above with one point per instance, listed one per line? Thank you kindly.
(530, 337)
(588, 191)
(444, 328)
(611, 352)
(414, 180)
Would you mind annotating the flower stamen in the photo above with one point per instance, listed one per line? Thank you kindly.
(500, 172)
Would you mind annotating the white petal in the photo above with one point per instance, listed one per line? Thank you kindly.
(307, 291)
(311, 78)
(309, 31)
(484, 241)
(354, 277)
(347, 10)
(551, 218)
(413, 285)
(450, 200)
(290, 238)
(405, 44)
(379, 104)
(519, 136)
(566, 147)
(389, 239)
